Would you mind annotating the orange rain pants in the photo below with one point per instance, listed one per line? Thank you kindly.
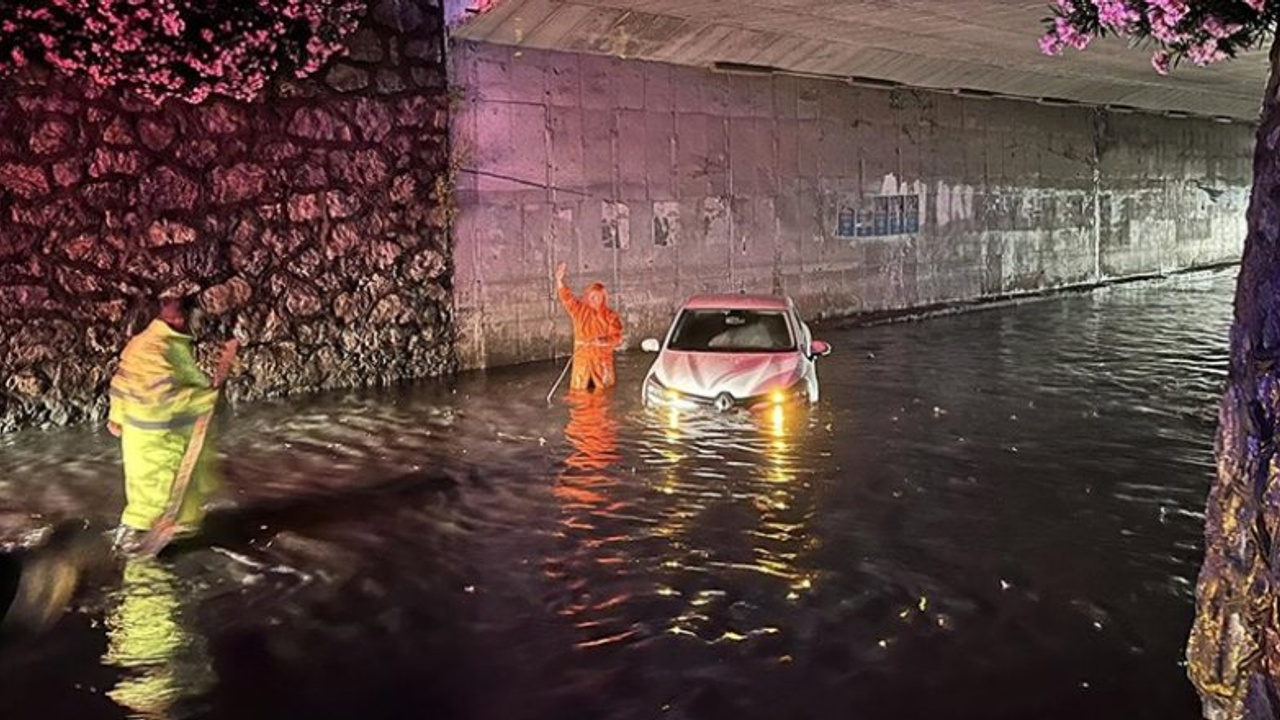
(596, 334)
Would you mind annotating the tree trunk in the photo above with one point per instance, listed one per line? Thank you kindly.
(1234, 650)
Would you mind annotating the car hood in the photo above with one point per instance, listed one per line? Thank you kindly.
(741, 375)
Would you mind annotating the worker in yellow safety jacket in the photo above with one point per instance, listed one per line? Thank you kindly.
(157, 394)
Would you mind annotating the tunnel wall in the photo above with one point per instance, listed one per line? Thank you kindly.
(666, 181)
(312, 224)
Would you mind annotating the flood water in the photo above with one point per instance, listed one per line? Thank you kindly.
(989, 515)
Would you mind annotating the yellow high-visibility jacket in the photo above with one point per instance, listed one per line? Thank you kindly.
(157, 394)
(159, 386)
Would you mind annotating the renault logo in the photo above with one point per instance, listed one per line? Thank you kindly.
(724, 401)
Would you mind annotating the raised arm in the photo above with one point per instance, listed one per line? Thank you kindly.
(571, 303)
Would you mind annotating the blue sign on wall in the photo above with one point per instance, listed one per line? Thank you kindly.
(887, 215)
(847, 222)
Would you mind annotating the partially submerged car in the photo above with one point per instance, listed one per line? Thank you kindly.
(734, 351)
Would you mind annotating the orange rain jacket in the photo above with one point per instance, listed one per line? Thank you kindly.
(596, 334)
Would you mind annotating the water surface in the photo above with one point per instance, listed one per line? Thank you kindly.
(990, 515)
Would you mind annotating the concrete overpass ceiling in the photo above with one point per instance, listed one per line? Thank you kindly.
(985, 45)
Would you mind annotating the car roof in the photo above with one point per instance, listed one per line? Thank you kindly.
(738, 302)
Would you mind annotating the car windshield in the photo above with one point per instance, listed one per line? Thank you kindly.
(731, 331)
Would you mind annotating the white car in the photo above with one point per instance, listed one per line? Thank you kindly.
(734, 351)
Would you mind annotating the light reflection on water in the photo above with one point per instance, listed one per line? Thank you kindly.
(734, 475)
(989, 515)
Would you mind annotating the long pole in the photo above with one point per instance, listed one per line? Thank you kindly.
(162, 532)
(560, 379)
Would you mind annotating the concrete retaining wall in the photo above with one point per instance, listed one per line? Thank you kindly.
(666, 181)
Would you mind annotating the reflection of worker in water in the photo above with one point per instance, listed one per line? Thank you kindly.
(592, 433)
(597, 332)
(157, 394)
(594, 541)
(147, 636)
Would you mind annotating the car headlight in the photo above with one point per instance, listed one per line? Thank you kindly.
(657, 394)
(798, 391)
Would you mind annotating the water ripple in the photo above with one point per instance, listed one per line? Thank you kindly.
(1001, 504)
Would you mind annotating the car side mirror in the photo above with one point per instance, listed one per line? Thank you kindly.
(818, 349)
(651, 346)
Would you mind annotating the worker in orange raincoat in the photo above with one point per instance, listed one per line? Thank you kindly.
(597, 332)
(157, 394)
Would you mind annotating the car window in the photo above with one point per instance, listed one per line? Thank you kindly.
(731, 331)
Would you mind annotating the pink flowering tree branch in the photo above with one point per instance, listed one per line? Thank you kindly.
(184, 49)
(1200, 31)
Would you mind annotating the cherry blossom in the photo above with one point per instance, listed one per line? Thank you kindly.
(1199, 31)
(1160, 62)
(161, 49)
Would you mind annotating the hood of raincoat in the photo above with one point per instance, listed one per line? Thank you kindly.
(597, 286)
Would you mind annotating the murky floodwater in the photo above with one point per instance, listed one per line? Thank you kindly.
(993, 515)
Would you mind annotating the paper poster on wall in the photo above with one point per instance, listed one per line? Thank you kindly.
(615, 225)
(715, 220)
(666, 223)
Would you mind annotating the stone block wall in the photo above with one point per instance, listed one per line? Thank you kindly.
(312, 225)
(666, 181)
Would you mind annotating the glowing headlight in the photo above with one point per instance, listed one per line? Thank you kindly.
(657, 394)
(797, 392)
